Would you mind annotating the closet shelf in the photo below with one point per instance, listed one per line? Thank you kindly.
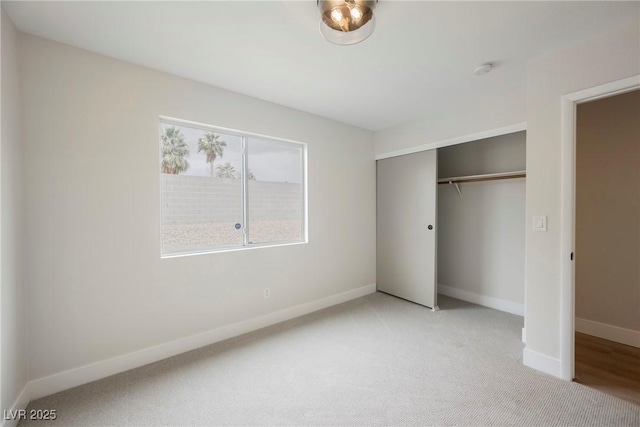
(484, 177)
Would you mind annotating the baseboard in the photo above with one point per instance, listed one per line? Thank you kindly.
(483, 300)
(20, 404)
(74, 377)
(608, 332)
(541, 362)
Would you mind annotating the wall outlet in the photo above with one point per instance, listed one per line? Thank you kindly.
(266, 293)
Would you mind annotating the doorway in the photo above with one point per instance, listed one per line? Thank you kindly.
(569, 103)
(607, 245)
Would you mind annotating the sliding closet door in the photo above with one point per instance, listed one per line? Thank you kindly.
(406, 227)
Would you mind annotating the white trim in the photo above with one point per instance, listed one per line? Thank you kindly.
(518, 127)
(245, 205)
(235, 132)
(84, 374)
(567, 206)
(233, 249)
(20, 403)
(605, 91)
(567, 198)
(483, 300)
(541, 362)
(524, 335)
(608, 332)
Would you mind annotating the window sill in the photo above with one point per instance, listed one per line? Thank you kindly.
(233, 249)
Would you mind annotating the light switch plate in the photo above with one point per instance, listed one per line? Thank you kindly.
(539, 223)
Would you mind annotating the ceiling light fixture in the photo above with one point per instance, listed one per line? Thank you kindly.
(346, 22)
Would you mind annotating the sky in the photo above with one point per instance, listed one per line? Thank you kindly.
(268, 160)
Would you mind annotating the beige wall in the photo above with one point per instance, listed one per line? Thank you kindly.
(607, 275)
(601, 60)
(481, 234)
(97, 285)
(13, 346)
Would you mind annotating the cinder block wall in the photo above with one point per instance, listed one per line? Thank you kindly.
(197, 199)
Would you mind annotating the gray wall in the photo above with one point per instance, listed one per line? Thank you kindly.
(481, 235)
(548, 79)
(198, 199)
(505, 153)
(93, 169)
(607, 238)
(12, 285)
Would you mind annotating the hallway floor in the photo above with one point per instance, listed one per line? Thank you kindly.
(608, 366)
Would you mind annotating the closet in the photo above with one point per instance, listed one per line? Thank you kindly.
(472, 195)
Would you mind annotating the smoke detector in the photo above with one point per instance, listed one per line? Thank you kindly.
(483, 69)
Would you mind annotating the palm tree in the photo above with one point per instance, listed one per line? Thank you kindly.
(174, 151)
(226, 171)
(212, 146)
(251, 175)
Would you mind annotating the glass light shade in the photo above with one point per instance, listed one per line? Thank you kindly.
(346, 22)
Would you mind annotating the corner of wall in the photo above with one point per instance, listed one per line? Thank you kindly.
(550, 78)
(13, 368)
(12, 416)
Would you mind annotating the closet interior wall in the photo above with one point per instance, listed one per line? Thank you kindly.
(481, 236)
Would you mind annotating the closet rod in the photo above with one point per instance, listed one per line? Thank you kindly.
(478, 178)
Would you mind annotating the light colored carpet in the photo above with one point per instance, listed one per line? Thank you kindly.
(377, 360)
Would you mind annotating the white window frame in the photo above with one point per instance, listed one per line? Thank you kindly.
(244, 136)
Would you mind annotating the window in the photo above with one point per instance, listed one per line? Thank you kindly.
(223, 189)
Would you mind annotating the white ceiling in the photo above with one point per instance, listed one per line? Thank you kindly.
(419, 60)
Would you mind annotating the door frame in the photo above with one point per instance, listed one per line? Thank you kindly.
(490, 133)
(471, 137)
(569, 105)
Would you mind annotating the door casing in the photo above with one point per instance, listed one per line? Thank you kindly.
(569, 105)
